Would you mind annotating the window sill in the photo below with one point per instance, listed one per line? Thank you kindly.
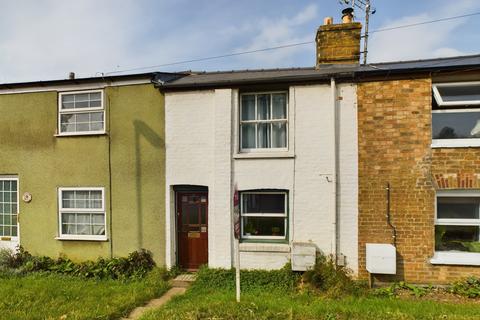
(264, 155)
(91, 238)
(455, 143)
(80, 134)
(456, 258)
(264, 247)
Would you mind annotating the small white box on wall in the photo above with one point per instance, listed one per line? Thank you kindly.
(381, 258)
(303, 256)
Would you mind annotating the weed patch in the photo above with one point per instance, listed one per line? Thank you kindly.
(284, 279)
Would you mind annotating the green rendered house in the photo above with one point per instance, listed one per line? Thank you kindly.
(82, 166)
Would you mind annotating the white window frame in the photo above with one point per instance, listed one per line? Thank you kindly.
(240, 122)
(259, 214)
(456, 257)
(454, 143)
(82, 110)
(14, 178)
(439, 99)
(61, 210)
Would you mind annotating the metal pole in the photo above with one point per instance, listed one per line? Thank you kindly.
(365, 39)
(236, 233)
(237, 268)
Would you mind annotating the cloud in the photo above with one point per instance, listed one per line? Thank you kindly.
(424, 41)
(47, 39)
(276, 32)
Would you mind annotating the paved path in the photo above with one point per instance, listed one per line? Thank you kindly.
(179, 286)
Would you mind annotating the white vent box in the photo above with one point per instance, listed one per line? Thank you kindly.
(303, 256)
(381, 258)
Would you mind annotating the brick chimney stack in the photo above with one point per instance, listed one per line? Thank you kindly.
(339, 43)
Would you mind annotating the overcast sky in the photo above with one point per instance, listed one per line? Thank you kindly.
(45, 39)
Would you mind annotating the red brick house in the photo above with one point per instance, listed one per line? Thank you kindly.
(419, 133)
(418, 160)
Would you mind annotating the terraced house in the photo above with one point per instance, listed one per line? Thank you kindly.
(286, 140)
(419, 167)
(377, 165)
(82, 169)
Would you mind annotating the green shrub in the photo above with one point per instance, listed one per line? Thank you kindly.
(330, 279)
(469, 287)
(136, 265)
(284, 279)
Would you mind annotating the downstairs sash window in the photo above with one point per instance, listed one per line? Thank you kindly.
(457, 224)
(82, 214)
(264, 215)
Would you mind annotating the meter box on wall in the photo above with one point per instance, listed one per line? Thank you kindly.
(381, 258)
(303, 256)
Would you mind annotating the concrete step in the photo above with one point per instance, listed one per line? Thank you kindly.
(184, 280)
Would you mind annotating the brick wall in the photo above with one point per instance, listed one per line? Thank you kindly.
(394, 126)
(338, 43)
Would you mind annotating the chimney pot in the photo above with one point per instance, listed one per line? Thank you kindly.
(347, 15)
(327, 21)
(71, 75)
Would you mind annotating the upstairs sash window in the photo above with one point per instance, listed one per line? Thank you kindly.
(263, 121)
(81, 113)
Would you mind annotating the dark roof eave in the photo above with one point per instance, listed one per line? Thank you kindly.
(151, 76)
(247, 82)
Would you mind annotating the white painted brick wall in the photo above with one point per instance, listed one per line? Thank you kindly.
(348, 179)
(202, 137)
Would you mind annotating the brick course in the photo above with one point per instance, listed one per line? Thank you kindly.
(394, 126)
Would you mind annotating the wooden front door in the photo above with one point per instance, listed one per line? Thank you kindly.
(192, 229)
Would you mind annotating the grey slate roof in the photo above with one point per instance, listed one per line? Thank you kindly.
(158, 77)
(251, 77)
(191, 80)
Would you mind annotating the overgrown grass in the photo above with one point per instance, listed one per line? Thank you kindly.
(53, 296)
(274, 295)
(200, 303)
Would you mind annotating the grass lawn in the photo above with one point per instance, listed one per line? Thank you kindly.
(204, 303)
(51, 296)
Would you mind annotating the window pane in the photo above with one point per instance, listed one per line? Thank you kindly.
(83, 117)
(457, 238)
(248, 107)
(263, 107)
(96, 116)
(98, 218)
(263, 203)
(14, 232)
(95, 96)
(248, 136)
(279, 106)
(264, 226)
(456, 125)
(80, 127)
(96, 126)
(467, 92)
(279, 135)
(264, 132)
(98, 230)
(68, 218)
(458, 208)
(67, 98)
(67, 122)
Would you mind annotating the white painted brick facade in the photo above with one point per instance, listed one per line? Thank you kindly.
(202, 149)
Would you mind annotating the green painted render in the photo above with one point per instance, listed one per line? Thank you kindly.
(128, 161)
